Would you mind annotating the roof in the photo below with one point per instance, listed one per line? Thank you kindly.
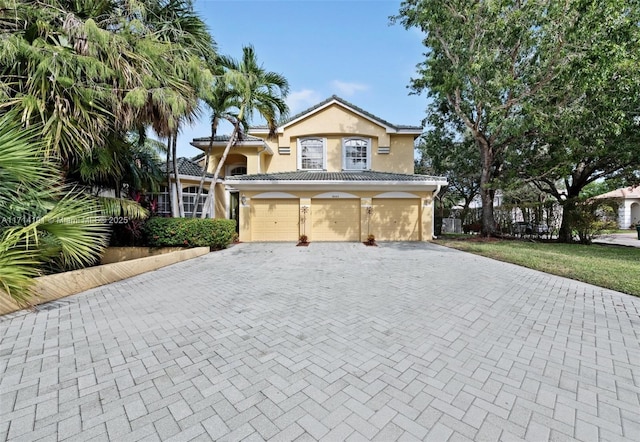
(623, 192)
(360, 176)
(225, 138)
(187, 167)
(351, 106)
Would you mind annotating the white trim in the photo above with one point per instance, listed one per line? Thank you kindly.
(301, 185)
(396, 195)
(191, 178)
(299, 152)
(273, 195)
(344, 152)
(245, 143)
(334, 195)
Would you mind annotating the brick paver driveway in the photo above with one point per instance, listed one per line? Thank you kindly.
(331, 342)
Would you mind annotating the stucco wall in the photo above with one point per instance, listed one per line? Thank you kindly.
(335, 123)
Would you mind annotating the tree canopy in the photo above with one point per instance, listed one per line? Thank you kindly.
(538, 84)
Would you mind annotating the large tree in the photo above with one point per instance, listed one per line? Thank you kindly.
(445, 151)
(488, 63)
(592, 132)
(256, 90)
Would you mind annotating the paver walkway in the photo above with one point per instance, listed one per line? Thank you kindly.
(331, 342)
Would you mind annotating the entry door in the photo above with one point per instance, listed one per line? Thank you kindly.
(234, 209)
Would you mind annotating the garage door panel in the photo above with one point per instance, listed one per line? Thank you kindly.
(335, 220)
(275, 220)
(396, 219)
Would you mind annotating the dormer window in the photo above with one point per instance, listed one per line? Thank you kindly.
(312, 154)
(356, 153)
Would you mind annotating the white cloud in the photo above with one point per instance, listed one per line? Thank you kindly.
(301, 100)
(348, 89)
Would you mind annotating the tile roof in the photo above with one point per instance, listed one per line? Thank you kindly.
(348, 104)
(187, 167)
(623, 192)
(245, 137)
(336, 176)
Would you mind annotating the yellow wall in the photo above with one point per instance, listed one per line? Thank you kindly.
(335, 123)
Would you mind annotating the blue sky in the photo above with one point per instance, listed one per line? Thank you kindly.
(346, 48)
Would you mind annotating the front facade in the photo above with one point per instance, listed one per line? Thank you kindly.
(332, 173)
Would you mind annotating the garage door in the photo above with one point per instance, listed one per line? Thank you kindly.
(396, 219)
(275, 220)
(335, 220)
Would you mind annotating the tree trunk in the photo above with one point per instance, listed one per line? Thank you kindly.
(210, 201)
(565, 234)
(173, 141)
(168, 169)
(486, 192)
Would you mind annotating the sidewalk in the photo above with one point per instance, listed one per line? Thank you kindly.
(619, 239)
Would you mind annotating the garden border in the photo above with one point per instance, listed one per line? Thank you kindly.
(51, 287)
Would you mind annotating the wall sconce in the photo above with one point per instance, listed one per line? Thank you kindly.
(243, 200)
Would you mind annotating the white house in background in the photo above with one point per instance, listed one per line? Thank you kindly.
(629, 209)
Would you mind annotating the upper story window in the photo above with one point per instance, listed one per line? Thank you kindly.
(236, 170)
(312, 154)
(356, 153)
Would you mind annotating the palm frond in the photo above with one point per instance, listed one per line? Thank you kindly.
(121, 207)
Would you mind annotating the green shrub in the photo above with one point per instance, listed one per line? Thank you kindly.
(189, 232)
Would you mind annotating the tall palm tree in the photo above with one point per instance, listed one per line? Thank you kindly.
(254, 90)
(223, 103)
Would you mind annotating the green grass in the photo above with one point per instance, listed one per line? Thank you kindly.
(612, 267)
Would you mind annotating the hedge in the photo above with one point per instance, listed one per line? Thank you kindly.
(189, 232)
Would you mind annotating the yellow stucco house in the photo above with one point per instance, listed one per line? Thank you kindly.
(333, 173)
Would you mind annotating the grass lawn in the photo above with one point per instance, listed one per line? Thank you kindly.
(612, 267)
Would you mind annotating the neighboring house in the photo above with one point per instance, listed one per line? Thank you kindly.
(629, 208)
(333, 172)
(190, 173)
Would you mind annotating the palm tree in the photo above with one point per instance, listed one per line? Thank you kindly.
(44, 225)
(223, 103)
(254, 90)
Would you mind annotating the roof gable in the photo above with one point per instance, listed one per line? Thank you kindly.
(335, 100)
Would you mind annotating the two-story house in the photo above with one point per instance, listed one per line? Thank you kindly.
(333, 173)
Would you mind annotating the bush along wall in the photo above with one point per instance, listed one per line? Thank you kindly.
(189, 232)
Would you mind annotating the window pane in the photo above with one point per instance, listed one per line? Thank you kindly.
(311, 154)
(355, 152)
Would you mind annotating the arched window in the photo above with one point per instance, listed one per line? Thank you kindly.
(189, 200)
(312, 154)
(356, 153)
(237, 170)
